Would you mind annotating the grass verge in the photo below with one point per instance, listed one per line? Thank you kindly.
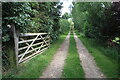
(106, 58)
(35, 67)
(72, 67)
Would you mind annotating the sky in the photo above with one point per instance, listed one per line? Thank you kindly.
(66, 5)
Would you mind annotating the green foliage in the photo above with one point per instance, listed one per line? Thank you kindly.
(97, 20)
(116, 40)
(64, 25)
(31, 17)
(17, 13)
(105, 57)
(66, 16)
(35, 65)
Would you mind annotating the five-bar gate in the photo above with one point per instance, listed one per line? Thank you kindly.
(28, 45)
(31, 44)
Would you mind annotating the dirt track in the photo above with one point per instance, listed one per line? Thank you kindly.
(54, 70)
(87, 61)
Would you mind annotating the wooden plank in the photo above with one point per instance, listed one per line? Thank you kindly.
(45, 43)
(16, 43)
(33, 55)
(40, 47)
(49, 41)
(28, 40)
(31, 50)
(27, 43)
(31, 34)
(32, 45)
(28, 48)
(44, 38)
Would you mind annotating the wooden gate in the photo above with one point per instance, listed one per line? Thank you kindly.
(31, 44)
(28, 45)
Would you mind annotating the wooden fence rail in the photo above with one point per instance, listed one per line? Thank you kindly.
(28, 45)
(22, 47)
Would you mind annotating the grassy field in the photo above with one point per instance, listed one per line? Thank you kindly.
(72, 67)
(105, 57)
(35, 67)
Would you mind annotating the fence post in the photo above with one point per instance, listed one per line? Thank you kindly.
(15, 36)
(49, 40)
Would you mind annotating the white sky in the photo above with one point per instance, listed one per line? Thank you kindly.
(66, 5)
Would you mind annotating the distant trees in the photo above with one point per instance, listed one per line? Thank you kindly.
(65, 25)
(66, 15)
(97, 20)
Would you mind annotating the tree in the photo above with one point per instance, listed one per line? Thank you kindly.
(66, 16)
(64, 25)
(96, 20)
(34, 17)
(31, 17)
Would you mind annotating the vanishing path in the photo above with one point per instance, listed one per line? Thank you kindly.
(87, 61)
(54, 70)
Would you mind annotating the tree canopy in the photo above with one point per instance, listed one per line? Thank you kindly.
(32, 17)
(97, 20)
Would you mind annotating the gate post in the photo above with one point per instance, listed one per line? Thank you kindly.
(49, 40)
(15, 36)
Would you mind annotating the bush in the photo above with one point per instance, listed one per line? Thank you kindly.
(64, 25)
(97, 20)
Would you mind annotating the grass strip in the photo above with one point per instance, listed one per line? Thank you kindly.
(72, 67)
(103, 56)
(35, 67)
